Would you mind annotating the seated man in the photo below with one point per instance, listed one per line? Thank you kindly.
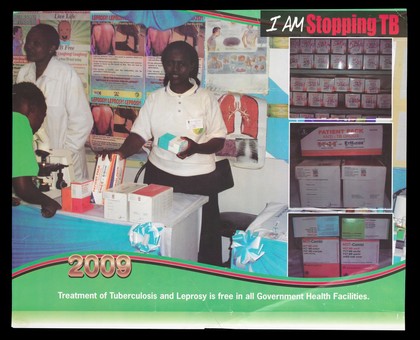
(29, 110)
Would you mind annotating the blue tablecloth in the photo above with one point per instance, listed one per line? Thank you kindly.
(35, 237)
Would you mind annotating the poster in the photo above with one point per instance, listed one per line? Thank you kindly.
(323, 264)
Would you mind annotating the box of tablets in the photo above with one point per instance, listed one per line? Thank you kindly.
(172, 143)
(116, 200)
(150, 204)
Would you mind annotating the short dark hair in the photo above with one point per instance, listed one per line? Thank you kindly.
(28, 92)
(50, 33)
(189, 51)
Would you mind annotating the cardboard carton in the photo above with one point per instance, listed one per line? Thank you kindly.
(150, 204)
(363, 183)
(319, 183)
(116, 200)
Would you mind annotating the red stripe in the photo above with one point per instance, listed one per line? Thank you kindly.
(227, 16)
(224, 272)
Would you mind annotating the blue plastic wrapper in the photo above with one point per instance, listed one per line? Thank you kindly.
(246, 249)
(146, 237)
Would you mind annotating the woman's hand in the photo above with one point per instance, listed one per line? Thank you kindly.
(191, 148)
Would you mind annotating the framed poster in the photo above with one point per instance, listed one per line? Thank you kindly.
(306, 246)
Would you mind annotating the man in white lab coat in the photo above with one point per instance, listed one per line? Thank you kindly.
(69, 120)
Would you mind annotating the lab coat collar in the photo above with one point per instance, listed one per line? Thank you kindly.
(50, 71)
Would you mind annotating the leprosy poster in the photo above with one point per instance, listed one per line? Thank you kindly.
(76, 272)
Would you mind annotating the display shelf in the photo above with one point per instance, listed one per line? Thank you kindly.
(346, 72)
(385, 77)
(341, 111)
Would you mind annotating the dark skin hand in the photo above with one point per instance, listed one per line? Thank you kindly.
(28, 192)
(212, 146)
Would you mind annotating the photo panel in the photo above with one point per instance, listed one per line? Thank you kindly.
(338, 245)
(340, 78)
(340, 165)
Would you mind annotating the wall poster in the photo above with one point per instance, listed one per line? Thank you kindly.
(331, 89)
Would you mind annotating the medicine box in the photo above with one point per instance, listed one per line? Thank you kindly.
(319, 183)
(363, 183)
(80, 196)
(108, 173)
(81, 205)
(116, 200)
(172, 143)
(321, 256)
(359, 256)
(81, 189)
(150, 204)
(76, 197)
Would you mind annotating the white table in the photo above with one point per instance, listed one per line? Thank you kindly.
(35, 236)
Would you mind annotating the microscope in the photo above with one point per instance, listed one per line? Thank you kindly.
(55, 171)
(55, 166)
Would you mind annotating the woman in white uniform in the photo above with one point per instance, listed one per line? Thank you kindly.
(69, 120)
(183, 108)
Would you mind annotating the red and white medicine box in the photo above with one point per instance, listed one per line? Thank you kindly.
(371, 62)
(355, 46)
(322, 45)
(355, 62)
(342, 84)
(363, 183)
(299, 98)
(346, 140)
(371, 46)
(321, 256)
(352, 100)
(359, 256)
(150, 204)
(385, 62)
(311, 84)
(372, 85)
(327, 84)
(338, 61)
(322, 61)
(319, 183)
(330, 99)
(383, 101)
(368, 101)
(116, 200)
(108, 173)
(385, 46)
(357, 85)
(80, 196)
(307, 45)
(297, 83)
(339, 46)
(315, 99)
(305, 61)
(81, 189)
